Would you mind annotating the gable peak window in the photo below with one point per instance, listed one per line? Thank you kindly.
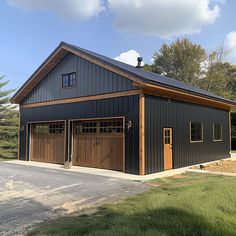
(69, 80)
(196, 132)
(217, 132)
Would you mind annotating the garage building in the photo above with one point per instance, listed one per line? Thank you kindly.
(94, 111)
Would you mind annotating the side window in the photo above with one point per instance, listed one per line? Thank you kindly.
(217, 132)
(196, 132)
(69, 80)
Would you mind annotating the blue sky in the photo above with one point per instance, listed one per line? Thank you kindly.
(31, 30)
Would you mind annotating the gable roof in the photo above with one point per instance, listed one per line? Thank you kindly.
(131, 72)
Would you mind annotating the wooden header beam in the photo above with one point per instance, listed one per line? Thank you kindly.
(156, 90)
(82, 99)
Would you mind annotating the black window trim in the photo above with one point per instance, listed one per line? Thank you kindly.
(190, 133)
(221, 129)
(71, 86)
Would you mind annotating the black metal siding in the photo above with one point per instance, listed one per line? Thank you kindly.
(114, 107)
(161, 113)
(91, 80)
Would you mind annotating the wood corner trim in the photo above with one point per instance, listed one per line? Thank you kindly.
(142, 134)
(19, 133)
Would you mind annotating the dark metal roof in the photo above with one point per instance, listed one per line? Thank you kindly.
(150, 77)
(145, 76)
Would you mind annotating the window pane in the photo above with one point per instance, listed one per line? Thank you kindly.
(167, 140)
(217, 132)
(69, 80)
(104, 126)
(41, 129)
(196, 131)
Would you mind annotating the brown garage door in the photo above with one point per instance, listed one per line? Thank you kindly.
(47, 142)
(99, 144)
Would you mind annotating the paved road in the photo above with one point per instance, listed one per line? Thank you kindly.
(31, 194)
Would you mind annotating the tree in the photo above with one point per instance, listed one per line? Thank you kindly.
(191, 64)
(180, 60)
(8, 123)
(216, 73)
(231, 85)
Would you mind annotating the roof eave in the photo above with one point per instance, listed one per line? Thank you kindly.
(173, 92)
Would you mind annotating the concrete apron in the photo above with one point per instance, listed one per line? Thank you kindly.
(114, 174)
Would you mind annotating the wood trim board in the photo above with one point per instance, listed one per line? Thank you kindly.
(156, 90)
(142, 134)
(19, 134)
(83, 99)
(230, 141)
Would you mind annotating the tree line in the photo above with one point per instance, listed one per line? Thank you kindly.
(192, 64)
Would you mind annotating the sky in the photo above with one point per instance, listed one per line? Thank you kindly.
(122, 29)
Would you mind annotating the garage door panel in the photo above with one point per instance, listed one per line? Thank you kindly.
(58, 140)
(99, 144)
(47, 143)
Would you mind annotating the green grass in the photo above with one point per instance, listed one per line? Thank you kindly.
(191, 204)
(7, 159)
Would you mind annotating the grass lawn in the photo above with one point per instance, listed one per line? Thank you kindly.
(7, 159)
(189, 204)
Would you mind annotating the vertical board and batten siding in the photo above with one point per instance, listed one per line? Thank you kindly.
(91, 80)
(167, 113)
(114, 107)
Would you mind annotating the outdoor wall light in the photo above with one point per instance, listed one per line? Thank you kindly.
(129, 124)
(22, 128)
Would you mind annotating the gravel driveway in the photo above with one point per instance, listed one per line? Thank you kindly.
(31, 194)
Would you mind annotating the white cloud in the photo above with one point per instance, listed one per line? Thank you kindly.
(163, 18)
(129, 57)
(230, 44)
(67, 9)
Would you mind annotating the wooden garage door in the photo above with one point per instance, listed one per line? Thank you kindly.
(47, 142)
(99, 144)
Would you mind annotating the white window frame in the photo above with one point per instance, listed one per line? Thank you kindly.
(217, 140)
(190, 132)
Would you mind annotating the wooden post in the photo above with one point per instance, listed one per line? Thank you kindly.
(230, 144)
(141, 134)
(18, 154)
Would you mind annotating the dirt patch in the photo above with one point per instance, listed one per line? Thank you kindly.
(222, 166)
(153, 184)
(180, 176)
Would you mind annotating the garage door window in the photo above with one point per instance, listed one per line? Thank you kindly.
(86, 128)
(55, 128)
(100, 127)
(111, 126)
(41, 129)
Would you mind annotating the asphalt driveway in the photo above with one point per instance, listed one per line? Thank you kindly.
(31, 194)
